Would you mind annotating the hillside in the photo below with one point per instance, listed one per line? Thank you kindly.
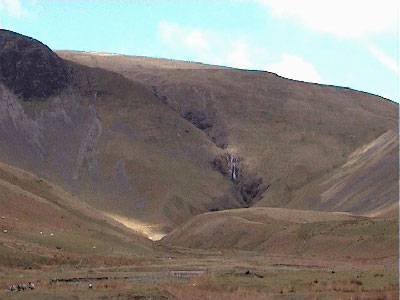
(315, 233)
(251, 186)
(29, 68)
(284, 231)
(114, 145)
(283, 134)
(367, 183)
(42, 224)
(155, 142)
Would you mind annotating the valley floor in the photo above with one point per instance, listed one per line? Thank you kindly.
(190, 274)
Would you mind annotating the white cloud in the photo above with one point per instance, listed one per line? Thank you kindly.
(211, 47)
(167, 30)
(384, 59)
(13, 8)
(294, 67)
(196, 39)
(342, 18)
(191, 38)
(239, 56)
(214, 48)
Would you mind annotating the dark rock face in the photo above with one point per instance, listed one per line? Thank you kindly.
(198, 119)
(29, 68)
(198, 109)
(221, 165)
(249, 187)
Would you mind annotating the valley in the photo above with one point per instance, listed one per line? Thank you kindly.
(160, 179)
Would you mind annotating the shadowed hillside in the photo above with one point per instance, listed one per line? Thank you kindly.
(29, 68)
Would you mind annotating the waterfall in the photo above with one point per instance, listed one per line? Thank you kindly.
(234, 170)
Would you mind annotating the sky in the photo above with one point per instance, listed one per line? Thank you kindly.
(349, 43)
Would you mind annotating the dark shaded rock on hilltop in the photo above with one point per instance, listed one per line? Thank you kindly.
(29, 68)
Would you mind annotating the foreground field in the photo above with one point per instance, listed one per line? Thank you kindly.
(190, 274)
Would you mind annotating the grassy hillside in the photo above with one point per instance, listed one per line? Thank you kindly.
(288, 231)
(367, 183)
(285, 134)
(114, 145)
(155, 141)
(42, 224)
(260, 187)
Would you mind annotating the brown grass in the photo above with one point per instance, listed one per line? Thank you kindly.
(276, 283)
(264, 117)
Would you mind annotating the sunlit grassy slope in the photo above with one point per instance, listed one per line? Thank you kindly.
(42, 224)
(289, 231)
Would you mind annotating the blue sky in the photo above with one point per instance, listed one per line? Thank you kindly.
(349, 43)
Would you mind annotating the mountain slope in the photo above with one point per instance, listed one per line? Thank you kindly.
(42, 224)
(283, 134)
(157, 142)
(111, 142)
(368, 182)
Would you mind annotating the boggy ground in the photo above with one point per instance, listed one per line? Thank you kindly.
(199, 274)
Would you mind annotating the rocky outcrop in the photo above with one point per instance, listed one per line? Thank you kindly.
(29, 68)
(198, 109)
(249, 187)
(14, 124)
(198, 119)
(88, 145)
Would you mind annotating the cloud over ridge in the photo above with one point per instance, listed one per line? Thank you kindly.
(342, 18)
